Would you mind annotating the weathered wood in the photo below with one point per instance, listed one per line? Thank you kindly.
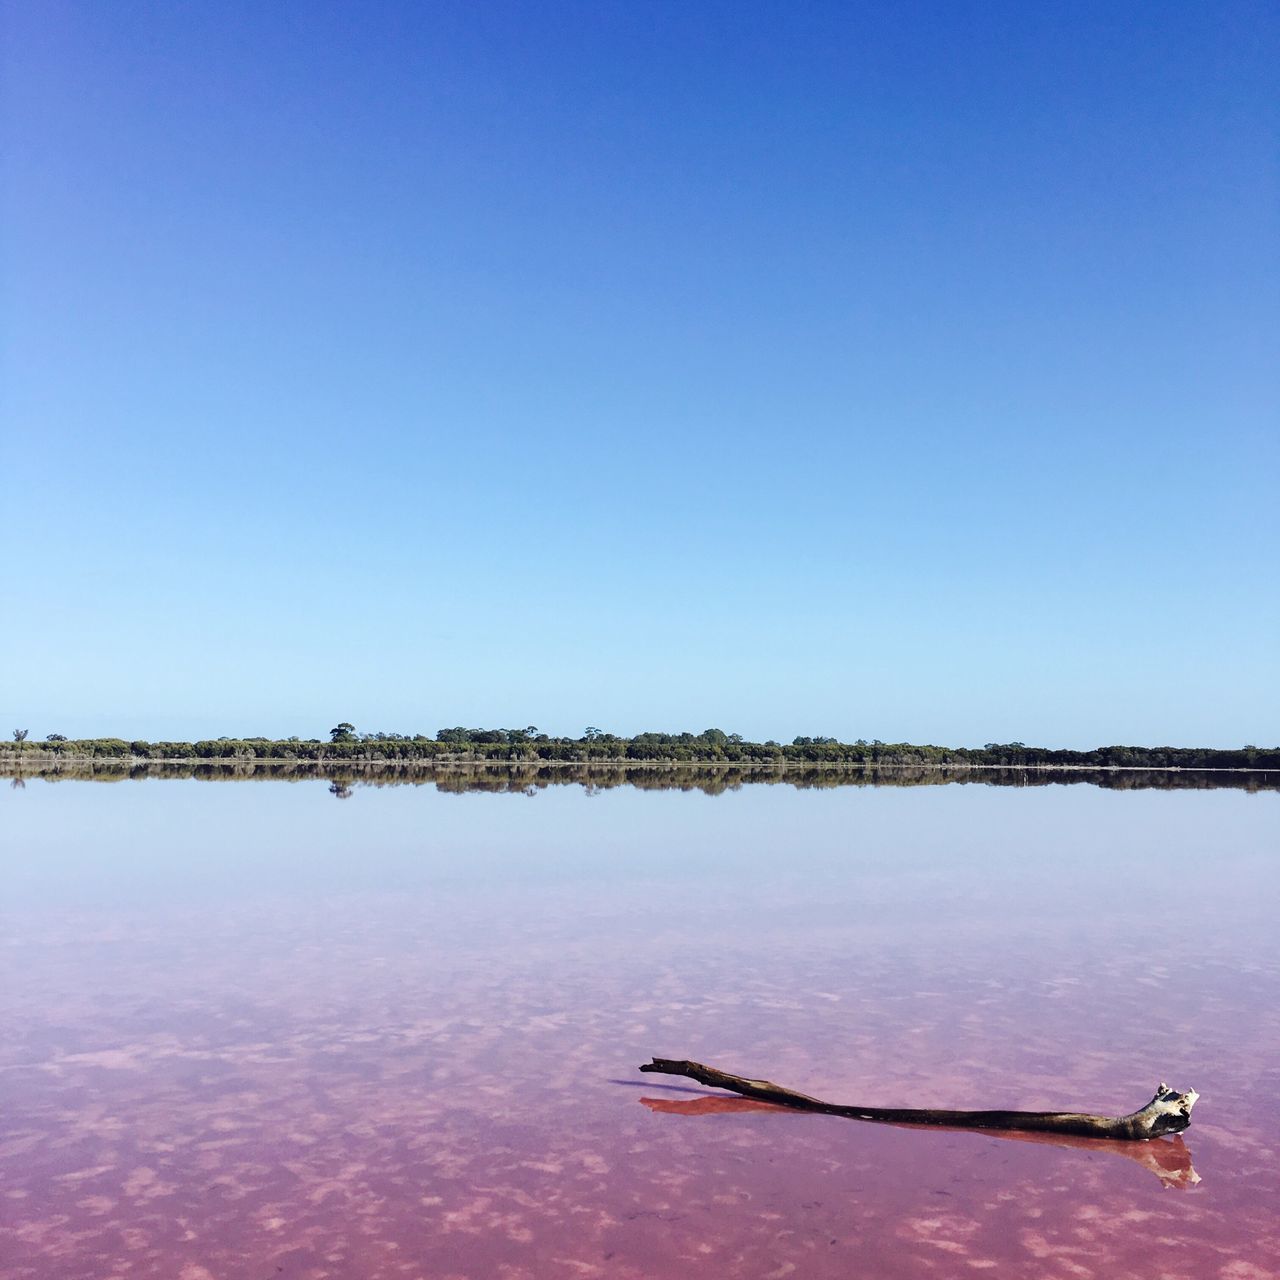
(1168, 1112)
(1167, 1158)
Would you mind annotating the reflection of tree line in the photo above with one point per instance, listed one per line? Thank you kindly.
(527, 779)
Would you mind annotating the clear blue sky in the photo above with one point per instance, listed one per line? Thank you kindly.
(878, 370)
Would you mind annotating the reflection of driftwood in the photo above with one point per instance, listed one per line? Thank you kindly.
(1167, 1158)
(1167, 1112)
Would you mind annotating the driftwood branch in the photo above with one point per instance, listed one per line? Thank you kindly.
(1168, 1112)
(1167, 1158)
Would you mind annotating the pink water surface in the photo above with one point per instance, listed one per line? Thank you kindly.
(251, 1031)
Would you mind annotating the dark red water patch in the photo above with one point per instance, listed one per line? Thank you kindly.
(438, 1079)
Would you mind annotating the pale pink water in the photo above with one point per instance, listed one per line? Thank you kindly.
(251, 1031)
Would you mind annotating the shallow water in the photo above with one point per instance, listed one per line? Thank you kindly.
(254, 1030)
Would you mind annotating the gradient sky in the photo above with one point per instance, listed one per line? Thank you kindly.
(878, 370)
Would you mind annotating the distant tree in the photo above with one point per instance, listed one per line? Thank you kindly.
(55, 737)
(591, 733)
(343, 732)
(19, 737)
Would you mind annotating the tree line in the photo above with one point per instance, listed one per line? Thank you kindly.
(710, 746)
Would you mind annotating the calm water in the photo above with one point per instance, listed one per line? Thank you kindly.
(257, 1030)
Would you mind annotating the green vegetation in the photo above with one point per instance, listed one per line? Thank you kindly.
(710, 746)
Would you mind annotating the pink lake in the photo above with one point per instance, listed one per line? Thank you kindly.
(251, 1030)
